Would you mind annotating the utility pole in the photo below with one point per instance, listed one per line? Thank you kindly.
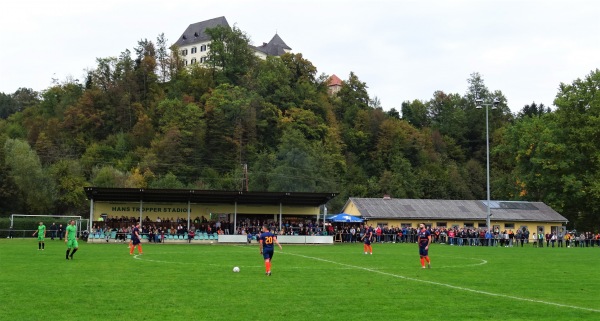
(245, 178)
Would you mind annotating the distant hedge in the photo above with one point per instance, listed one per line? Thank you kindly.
(28, 224)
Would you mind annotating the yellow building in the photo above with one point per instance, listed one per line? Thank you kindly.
(505, 215)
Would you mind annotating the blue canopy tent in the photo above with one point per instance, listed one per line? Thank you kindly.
(344, 218)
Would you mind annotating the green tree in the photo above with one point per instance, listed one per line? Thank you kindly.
(272, 80)
(353, 97)
(69, 180)
(10, 200)
(230, 58)
(167, 181)
(578, 119)
(230, 119)
(31, 179)
(534, 110)
(295, 167)
(162, 58)
(108, 176)
(8, 106)
(415, 113)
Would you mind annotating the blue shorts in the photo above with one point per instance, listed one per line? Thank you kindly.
(268, 254)
(423, 251)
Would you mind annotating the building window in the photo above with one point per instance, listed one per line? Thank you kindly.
(203, 48)
(441, 224)
(469, 225)
(482, 225)
(184, 52)
(185, 62)
(509, 225)
(194, 49)
(202, 59)
(405, 224)
(382, 224)
(193, 62)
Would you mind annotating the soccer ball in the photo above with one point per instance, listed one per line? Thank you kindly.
(236, 269)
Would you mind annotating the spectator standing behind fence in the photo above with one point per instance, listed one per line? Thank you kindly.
(52, 230)
(61, 231)
(191, 235)
(451, 236)
(41, 233)
(560, 238)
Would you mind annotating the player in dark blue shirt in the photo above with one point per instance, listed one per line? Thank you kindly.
(367, 239)
(424, 239)
(266, 241)
(136, 240)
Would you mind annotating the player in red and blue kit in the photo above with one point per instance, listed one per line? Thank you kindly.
(424, 239)
(266, 241)
(136, 240)
(367, 239)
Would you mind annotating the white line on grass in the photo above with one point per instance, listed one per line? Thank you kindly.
(138, 257)
(445, 285)
(145, 259)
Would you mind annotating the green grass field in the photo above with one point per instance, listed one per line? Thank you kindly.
(327, 282)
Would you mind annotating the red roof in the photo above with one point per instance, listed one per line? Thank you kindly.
(335, 81)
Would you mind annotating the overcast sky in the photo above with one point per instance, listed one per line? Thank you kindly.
(402, 50)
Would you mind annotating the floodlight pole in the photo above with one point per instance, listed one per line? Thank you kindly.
(479, 104)
(324, 217)
(487, 145)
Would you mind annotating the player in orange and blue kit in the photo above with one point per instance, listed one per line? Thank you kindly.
(136, 240)
(424, 239)
(266, 241)
(367, 239)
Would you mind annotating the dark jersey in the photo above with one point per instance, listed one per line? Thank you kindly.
(368, 236)
(267, 239)
(134, 235)
(423, 237)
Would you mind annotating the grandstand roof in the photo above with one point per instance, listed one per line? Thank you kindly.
(203, 196)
